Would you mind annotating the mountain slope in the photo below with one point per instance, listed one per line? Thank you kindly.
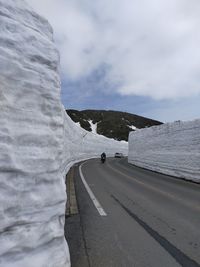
(112, 124)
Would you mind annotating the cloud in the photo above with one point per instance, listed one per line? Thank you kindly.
(150, 48)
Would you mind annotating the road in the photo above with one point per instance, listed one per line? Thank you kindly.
(150, 219)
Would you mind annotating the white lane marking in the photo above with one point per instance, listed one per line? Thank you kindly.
(93, 198)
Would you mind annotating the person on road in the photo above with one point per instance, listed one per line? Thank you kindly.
(103, 157)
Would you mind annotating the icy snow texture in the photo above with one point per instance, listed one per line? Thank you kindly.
(38, 142)
(172, 148)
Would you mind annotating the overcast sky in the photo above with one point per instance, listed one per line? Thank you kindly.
(137, 56)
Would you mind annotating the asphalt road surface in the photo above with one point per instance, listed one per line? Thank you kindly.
(141, 218)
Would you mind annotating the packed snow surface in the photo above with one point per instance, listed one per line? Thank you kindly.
(172, 148)
(38, 142)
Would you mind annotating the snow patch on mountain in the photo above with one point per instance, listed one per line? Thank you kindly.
(132, 127)
(172, 148)
(93, 126)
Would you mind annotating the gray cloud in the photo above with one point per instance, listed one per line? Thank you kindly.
(151, 48)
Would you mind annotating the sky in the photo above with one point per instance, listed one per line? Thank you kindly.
(142, 57)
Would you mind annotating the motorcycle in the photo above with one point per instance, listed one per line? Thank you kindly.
(103, 160)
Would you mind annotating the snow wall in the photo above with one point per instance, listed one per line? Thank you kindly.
(38, 142)
(172, 148)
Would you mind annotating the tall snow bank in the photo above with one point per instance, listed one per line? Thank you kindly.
(32, 193)
(172, 148)
(38, 142)
(80, 144)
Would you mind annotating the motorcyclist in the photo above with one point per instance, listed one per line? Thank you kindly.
(103, 157)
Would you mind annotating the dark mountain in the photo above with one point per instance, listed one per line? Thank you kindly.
(112, 124)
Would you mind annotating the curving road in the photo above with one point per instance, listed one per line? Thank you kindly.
(149, 219)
